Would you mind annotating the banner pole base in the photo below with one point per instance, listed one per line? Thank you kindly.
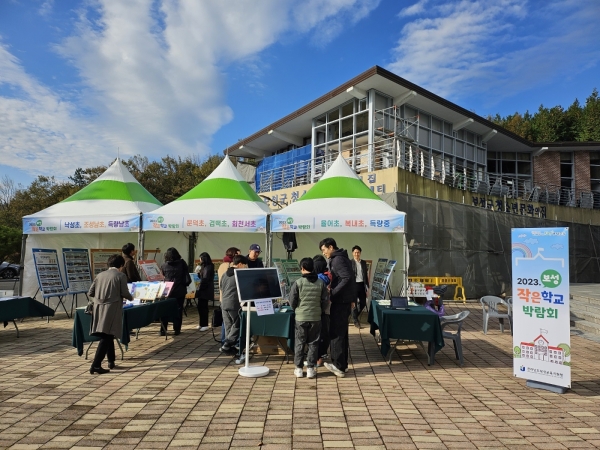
(546, 386)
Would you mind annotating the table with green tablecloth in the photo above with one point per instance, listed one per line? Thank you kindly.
(134, 317)
(12, 308)
(415, 324)
(279, 325)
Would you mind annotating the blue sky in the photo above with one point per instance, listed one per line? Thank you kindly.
(81, 79)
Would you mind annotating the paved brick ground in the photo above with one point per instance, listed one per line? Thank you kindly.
(182, 393)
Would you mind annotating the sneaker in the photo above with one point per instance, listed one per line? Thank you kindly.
(311, 372)
(203, 328)
(298, 372)
(228, 351)
(334, 370)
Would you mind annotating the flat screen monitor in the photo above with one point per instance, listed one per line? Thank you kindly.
(256, 284)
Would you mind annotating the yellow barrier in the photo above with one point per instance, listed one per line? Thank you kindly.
(459, 292)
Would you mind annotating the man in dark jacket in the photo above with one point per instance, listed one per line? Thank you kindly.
(253, 254)
(361, 275)
(342, 295)
(230, 304)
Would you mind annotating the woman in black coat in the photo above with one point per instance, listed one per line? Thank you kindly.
(206, 291)
(176, 270)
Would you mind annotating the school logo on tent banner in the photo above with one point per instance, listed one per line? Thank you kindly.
(78, 225)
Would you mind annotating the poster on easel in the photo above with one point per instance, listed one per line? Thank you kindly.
(100, 257)
(151, 270)
(48, 272)
(77, 267)
(378, 281)
(540, 293)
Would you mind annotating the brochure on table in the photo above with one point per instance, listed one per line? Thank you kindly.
(48, 272)
(77, 267)
(150, 290)
(540, 280)
(151, 270)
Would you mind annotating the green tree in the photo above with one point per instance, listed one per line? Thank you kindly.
(10, 244)
(566, 349)
(590, 126)
(517, 351)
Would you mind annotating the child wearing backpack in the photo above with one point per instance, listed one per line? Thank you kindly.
(308, 299)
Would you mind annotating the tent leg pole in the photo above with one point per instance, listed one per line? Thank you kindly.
(141, 239)
(22, 265)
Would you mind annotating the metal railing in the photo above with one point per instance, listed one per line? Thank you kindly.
(405, 154)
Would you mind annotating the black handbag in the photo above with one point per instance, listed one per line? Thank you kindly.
(216, 321)
(217, 318)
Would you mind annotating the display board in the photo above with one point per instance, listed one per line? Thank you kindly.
(540, 280)
(99, 257)
(381, 278)
(151, 270)
(77, 267)
(48, 272)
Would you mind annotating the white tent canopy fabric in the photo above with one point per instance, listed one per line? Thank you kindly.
(106, 214)
(223, 202)
(339, 203)
(113, 203)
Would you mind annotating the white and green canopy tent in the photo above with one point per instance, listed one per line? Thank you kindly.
(222, 211)
(341, 206)
(106, 213)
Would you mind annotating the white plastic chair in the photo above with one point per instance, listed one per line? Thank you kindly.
(456, 319)
(490, 304)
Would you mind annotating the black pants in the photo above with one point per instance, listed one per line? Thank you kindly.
(177, 317)
(325, 339)
(361, 293)
(106, 347)
(203, 311)
(307, 333)
(338, 331)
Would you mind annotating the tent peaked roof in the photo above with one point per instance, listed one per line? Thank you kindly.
(225, 182)
(111, 203)
(117, 183)
(339, 202)
(223, 202)
(340, 181)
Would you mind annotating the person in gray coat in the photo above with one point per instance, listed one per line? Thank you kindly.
(230, 304)
(108, 290)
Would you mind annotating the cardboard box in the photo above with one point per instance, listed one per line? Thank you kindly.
(268, 345)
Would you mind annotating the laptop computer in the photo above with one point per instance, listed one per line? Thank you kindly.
(399, 303)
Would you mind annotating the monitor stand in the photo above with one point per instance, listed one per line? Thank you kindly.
(251, 371)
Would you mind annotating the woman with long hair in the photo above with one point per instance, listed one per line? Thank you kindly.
(206, 291)
(175, 269)
(129, 269)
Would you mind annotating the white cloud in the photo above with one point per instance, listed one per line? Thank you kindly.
(496, 48)
(413, 10)
(151, 77)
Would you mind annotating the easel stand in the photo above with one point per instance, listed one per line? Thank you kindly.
(251, 371)
(74, 299)
(60, 303)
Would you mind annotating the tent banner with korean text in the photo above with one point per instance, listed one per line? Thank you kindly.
(339, 202)
(540, 287)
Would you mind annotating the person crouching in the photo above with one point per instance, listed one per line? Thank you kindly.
(308, 299)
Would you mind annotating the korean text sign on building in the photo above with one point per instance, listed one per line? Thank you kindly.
(540, 286)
